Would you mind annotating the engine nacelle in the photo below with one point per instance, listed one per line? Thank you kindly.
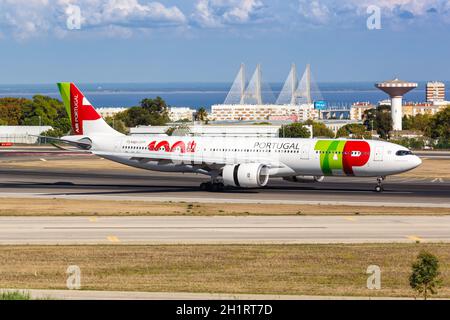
(246, 175)
(304, 179)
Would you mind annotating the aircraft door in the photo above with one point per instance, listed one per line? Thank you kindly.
(378, 154)
(304, 152)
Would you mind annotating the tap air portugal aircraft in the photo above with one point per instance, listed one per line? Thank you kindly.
(230, 161)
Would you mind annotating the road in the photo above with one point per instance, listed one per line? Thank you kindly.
(211, 230)
(155, 186)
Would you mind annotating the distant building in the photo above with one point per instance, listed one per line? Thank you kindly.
(435, 91)
(181, 113)
(413, 109)
(265, 112)
(21, 134)
(109, 112)
(358, 108)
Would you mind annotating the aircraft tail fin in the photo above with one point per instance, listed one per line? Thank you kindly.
(84, 118)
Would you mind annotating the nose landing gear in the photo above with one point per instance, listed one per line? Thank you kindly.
(379, 186)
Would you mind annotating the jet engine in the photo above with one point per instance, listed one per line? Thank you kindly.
(246, 175)
(304, 179)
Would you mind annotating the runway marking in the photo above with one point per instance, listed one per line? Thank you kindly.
(350, 219)
(42, 159)
(440, 180)
(415, 238)
(93, 219)
(113, 239)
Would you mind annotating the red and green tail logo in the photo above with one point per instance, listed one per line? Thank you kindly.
(77, 106)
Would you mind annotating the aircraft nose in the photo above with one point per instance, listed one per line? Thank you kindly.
(415, 162)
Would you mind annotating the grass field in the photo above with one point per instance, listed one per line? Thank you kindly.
(273, 269)
(66, 207)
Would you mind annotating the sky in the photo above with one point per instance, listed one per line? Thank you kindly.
(90, 41)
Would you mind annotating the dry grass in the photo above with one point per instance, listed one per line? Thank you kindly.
(276, 269)
(66, 207)
(430, 168)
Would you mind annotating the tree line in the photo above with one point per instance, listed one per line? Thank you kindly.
(47, 111)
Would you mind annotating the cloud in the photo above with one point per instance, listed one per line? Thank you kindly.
(347, 12)
(129, 13)
(314, 11)
(220, 13)
(22, 19)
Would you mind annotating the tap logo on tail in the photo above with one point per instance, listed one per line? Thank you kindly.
(77, 106)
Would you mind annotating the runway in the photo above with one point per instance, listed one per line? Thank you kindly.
(229, 230)
(156, 186)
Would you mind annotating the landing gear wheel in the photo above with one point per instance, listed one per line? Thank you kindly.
(379, 187)
(204, 186)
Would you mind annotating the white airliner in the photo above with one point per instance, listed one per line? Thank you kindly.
(236, 162)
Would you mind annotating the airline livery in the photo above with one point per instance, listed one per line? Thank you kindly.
(231, 161)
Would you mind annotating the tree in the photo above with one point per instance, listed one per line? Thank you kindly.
(11, 110)
(157, 110)
(294, 130)
(201, 115)
(424, 278)
(379, 119)
(439, 127)
(410, 143)
(117, 124)
(182, 129)
(354, 130)
(320, 129)
(419, 122)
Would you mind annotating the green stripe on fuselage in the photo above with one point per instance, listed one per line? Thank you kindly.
(330, 155)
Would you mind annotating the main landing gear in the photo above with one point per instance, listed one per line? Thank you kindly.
(212, 186)
(379, 186)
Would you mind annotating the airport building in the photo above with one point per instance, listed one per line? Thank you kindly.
(21, 134)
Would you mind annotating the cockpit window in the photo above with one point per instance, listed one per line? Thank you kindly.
(403, 152)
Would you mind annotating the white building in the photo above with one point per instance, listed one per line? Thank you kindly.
(264, 112)
(109, 112)
(181, 113)
(21, 134)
